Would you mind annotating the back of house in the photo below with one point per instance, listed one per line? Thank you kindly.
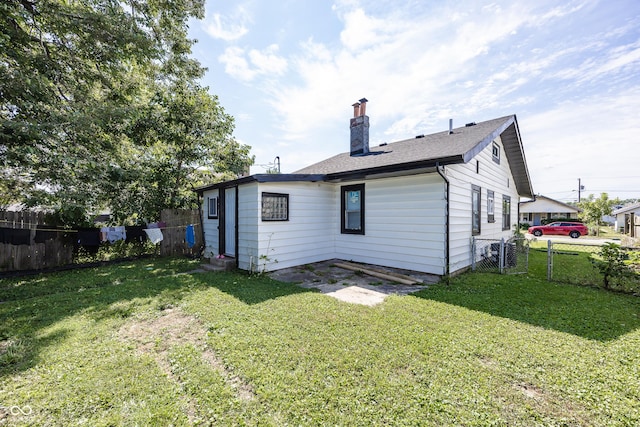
(413, 204)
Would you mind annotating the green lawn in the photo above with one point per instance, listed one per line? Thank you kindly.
(144, 343)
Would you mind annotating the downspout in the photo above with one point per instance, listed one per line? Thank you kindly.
(446, 231)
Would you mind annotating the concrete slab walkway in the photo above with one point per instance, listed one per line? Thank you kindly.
(351, 286)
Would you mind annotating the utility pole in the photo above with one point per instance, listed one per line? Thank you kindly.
(579, 188)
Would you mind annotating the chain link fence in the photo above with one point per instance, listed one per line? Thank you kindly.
(565, 262)
(505, 256)
(578, 264)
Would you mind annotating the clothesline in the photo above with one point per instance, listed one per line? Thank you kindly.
(71, 230)
(94, 236)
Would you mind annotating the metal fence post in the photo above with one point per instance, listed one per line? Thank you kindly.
(549, 259)
(501, 257)
(473, 253)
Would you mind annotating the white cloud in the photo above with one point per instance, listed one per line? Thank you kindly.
(588, 138)
(236, 64)
(267, 61)
(246, 66)
(402, 62)
(228, 28)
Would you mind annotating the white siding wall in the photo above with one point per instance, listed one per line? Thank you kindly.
(210, 226)
(309, 234)
(404, 224)
(492, 176)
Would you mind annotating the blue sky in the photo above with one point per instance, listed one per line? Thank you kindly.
(289, 71)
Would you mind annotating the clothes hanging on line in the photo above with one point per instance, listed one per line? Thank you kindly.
(190, 236)
(42, 234)
(15, 236)
(113, 234)
(135, 234)
(154, 234)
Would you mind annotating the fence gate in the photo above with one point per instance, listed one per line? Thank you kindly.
(504, 256)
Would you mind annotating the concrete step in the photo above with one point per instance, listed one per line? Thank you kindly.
(220, 264)
(209, 267)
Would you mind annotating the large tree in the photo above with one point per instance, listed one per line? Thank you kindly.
(101, 96)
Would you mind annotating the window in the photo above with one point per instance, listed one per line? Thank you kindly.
(506, 212)
(495, 153)
(490, 207)
(352, 207)
(275, 207)
(475, 209)
(213, 207)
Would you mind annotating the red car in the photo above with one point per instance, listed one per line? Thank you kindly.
(573, 229)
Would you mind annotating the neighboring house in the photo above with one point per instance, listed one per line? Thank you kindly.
(628, 220)
(413, 204)
(533, 212)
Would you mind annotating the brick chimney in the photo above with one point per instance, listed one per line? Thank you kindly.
(360, 129)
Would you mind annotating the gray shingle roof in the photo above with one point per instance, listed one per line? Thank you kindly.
(438, 148)
(429, 151)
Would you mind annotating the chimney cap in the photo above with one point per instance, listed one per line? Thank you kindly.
(364, 100)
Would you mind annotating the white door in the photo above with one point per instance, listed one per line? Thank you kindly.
(230, 222)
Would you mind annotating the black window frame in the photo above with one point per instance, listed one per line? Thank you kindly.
(476, 217)
(215, 203)
(506, 212)
(266, 197)
(343, 206)
(491, 207)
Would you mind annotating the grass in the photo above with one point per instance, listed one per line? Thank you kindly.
(147, 343)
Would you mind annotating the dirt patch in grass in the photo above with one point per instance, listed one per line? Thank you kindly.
(156, 337)
(542, 407)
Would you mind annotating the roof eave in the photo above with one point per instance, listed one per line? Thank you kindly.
(267, 177)
(390, 169)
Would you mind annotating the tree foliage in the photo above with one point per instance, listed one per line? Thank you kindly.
(594, 209)
(100, 107)
(612, 263)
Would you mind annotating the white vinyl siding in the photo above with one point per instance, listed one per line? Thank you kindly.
(308, 235)
(493, 176)
(405, 224)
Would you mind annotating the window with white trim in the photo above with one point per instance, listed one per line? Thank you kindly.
(212, 211)
(506, 212)
(476, 194)
(495, 153)
(275, 207)
(490, 206)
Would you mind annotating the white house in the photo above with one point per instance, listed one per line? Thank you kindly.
(628, 219)
(546, 208)
(413, 204)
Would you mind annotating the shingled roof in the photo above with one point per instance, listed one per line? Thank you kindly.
(420, 153)
(442, 148)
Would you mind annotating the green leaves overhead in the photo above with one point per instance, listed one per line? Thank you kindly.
(99, 99)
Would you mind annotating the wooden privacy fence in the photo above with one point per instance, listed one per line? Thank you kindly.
(23, 248)
(38, 254)
(174, 233)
